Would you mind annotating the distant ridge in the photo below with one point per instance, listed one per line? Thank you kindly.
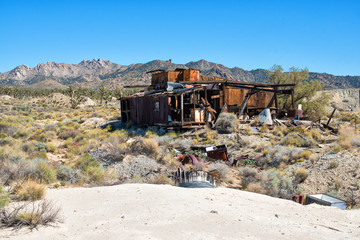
(97, 72)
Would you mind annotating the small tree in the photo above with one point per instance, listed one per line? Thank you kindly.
(305, 92)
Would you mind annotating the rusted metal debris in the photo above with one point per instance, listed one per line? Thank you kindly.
(182, 98)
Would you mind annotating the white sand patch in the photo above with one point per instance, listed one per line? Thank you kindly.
(143, 211)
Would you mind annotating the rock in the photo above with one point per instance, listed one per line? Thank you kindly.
(5, 97)
(86, 101)
(94, 122)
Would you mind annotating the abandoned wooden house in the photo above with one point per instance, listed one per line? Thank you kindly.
(182, 98)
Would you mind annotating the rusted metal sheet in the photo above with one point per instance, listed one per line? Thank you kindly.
(295, 113)
(191, 75)
(298, 198)
(217, 152)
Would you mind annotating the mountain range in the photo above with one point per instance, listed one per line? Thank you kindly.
(97, 72)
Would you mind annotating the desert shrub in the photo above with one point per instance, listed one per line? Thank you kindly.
(210, 135)
(294, 139)
(66, 134)
(256, 188)
(334, 165)
(148, 147)
(280, 154)
(264, 128)
(50, 128)
(30, 191)
(6, 141)
(223, 169)
(277, 185)
(226, 123)
(50, 148)
(8, 128)
(86, 161)
(45, 172)
(29, 147)
(4, 197)
(136, 166)
(181, 143)
(19, 168)
(164, 140)
(348, 138)
(67, 173)
(314, 134)
(306, 154)
(355, 142)
(248, 175)
(30, 215)
(280, 131)
(161, 179)
(150, 134)
(336, 149)
(301, 174)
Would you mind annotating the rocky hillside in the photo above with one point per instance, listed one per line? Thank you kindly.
(100, 72)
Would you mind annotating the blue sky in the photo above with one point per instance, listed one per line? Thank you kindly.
(323, 36)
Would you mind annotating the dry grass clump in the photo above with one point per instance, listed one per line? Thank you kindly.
(306, 154)
(223, 169)
(348, 138)
(280, 131)
(334, 165)
(226, 123)
(256, 188)
(30, 215)
(4, 197)
(30, 191)
(161, 179)
(147, 147)
(294, 139)
(301, 174)
(264, 128)
(66, 134)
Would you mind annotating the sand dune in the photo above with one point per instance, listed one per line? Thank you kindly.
(142, 211)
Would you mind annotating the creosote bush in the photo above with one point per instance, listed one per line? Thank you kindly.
(226, 123)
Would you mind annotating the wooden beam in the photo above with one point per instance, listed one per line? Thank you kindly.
(182, 108)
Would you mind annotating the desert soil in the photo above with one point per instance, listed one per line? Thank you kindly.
(144, 211)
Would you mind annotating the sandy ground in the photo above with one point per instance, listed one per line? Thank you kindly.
(143, 211)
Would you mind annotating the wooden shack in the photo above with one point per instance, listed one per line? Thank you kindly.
(196, 100)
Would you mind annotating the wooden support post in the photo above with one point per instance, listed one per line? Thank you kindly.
(243, 105)
(276, 100)
(182, 109)
(206, 112)
(332, 114)
(292, 100)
